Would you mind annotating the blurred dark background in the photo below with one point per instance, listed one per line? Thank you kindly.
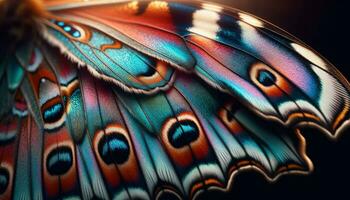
(323, 25)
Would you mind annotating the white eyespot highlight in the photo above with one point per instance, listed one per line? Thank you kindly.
(205, 23)
(309, 55)
(251, 20)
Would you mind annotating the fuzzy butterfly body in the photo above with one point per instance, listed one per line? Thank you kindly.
(146, 99)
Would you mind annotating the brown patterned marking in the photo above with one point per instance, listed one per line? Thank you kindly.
(340, 118)
(302, 115)
(115, 45)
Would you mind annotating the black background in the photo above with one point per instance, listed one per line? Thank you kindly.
(323, 25)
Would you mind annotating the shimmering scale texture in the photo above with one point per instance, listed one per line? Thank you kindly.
(140, 100)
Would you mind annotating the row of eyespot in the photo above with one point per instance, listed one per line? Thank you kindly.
(68, 28)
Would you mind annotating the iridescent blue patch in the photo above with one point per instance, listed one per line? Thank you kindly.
(53, 113)
(60, 24)
(76, 34)
(67, 28)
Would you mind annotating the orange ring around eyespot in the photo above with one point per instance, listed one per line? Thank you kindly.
(161, 70)
(280, 87)
(128, 169)
(183, 156)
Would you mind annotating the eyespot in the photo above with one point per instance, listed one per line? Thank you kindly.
(227, 115)
(114, 148)
(183, 137)
(183, 133)
(70, 29)
(53, 113)
(155, 74)
(53, 103)
(59, 161)
(266, 78)
(269, 81)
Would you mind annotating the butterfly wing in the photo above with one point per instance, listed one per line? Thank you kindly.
(264, 67)
(95, 140)
(139, 100)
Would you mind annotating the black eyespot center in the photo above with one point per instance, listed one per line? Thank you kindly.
(183, 133)
(59, 160)
(266, 78)
(114, 148)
